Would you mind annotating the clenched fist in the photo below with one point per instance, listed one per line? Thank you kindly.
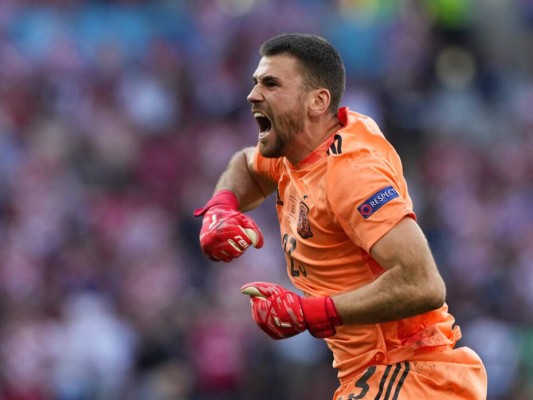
(226, 232)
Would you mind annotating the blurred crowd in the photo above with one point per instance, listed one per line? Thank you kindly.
(116, 119)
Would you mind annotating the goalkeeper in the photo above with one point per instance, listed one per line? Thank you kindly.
(369, 284)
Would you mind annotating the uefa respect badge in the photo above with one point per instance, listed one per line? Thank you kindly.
(377, 200)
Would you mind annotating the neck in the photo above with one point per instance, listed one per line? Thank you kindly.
(312, 137)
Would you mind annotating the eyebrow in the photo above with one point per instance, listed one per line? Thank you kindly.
(266, 79)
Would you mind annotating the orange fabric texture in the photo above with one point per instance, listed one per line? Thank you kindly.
(450, 375)
(332, 207)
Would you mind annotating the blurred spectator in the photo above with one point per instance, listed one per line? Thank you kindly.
(116, 118)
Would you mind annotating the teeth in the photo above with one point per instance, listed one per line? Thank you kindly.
(263, 126)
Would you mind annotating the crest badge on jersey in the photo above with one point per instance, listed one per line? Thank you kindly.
(304, 229)
(376, 201)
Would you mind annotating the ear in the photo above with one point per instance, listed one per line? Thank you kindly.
(319, 101)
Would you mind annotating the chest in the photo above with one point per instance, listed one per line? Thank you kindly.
(304, 212)
(320, 256)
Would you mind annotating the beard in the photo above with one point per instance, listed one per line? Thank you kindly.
(287, 127)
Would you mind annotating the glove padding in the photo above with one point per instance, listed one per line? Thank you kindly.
(226, 232)
(281, 313)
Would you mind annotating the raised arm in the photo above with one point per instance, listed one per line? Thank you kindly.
(250, 188)
(226, 232)
(410, 285)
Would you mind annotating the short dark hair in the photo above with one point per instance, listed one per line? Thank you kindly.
(321, 63)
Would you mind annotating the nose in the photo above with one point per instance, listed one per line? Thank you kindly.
(254, 96)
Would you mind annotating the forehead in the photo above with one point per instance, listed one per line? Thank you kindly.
(281, 66)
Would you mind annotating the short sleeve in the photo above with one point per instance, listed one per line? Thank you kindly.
(269, 168)
(367, 195)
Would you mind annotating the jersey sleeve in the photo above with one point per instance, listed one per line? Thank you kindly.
(269, 168)
(368, 196)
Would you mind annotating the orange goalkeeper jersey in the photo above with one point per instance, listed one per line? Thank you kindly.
(332, 207)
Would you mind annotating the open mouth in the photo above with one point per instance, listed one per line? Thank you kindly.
(264, 124)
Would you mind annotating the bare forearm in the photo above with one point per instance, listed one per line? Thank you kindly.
(389, 298)
(250, 189)
(410, 285)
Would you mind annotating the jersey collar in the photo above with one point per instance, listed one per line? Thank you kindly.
(322, 150)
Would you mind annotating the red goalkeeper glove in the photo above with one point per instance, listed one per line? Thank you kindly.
(281, 313)
(226, 232)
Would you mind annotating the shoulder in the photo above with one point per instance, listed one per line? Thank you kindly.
(360, 134)
(359, 146)
(361, 162)
(270, 168)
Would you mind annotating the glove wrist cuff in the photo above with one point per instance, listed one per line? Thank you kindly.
(222, 197)
(321, 316)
